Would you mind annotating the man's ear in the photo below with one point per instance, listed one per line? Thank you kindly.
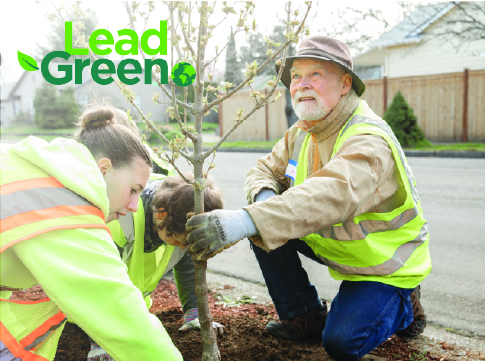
(105, 165)
(347, 83)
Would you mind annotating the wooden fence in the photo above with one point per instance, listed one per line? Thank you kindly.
(267, 123)
(437, 100)
(449, 107)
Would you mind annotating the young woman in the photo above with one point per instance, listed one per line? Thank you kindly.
(55, 199)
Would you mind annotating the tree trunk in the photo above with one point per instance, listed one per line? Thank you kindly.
(208, 335)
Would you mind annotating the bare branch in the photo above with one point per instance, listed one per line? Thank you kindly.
(284, 46)
(264, 101)
(154, 75)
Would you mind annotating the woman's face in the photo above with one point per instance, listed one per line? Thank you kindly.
(124, 185)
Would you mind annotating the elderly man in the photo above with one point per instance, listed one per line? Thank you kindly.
(337, 189)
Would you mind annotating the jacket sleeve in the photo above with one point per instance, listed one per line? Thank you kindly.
(359, 178)
(81, 271)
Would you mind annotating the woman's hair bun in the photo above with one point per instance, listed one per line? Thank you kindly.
(97, 118)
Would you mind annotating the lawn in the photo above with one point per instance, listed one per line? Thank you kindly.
(23, 131)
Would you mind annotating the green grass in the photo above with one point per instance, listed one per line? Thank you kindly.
(454, 146)
(49, 134)
(33, 129)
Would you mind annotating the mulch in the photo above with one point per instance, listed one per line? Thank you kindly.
(244, 338)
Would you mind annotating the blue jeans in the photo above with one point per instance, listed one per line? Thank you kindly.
(362, 316)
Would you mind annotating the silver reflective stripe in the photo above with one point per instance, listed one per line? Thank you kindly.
(397, 261)
(41, 338)
(358, 119)
(299, 141)
(34, 199)
(350, 231)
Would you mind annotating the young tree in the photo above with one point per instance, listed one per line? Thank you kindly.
(193, 50)
(402, 120)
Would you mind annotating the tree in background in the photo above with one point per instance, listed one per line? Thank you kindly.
(54, 111)
(233, 67)
(85, 20)
(402, 120)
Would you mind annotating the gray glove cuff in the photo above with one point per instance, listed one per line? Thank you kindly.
(264, 194)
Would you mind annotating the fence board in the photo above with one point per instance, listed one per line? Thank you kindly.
(437, 101)
(253, 128)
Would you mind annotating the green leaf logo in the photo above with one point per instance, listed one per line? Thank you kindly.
(27, 62)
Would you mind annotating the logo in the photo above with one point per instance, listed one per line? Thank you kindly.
(220, 230)
(183, 74)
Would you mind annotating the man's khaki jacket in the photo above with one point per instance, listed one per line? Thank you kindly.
(361, 177)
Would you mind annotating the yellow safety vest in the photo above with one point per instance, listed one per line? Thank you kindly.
(390, 247)
(144, 269)
(37, 203)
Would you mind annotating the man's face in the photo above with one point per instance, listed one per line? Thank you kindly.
(316, 87)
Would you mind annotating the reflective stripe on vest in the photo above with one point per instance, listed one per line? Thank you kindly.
(33, 346)
(32, 206)
(29, 210)
(374, 246)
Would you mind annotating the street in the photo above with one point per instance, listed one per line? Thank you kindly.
(453, 199)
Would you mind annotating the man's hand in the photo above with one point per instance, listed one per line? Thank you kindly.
(195, 325)
(212, 232)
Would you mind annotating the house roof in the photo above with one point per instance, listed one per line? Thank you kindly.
(411, 28)
(409, 31)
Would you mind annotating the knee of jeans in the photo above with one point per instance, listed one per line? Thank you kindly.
(339, 346)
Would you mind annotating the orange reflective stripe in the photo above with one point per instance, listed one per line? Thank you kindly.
(14, 347)
(30, 183)
(67, 226)
(26, 302)
(42, 329)
(21, 219)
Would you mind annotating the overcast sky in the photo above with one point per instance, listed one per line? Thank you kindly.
(23, 24)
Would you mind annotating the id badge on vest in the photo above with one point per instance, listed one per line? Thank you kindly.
(291, 171)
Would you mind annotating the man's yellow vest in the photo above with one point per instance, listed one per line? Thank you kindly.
(144, 269)
(33, 203)
(390, 247)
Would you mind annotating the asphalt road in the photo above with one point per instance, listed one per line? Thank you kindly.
(453, 200)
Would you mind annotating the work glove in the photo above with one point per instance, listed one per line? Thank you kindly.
(212, 232)
(196, 326)
(96, 353)
(264, 194)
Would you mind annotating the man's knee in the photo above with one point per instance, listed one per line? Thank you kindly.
(341, 346)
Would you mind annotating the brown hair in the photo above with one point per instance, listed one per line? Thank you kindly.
(177, 198)
(98, 131)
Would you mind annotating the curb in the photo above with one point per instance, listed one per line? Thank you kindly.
(408, 153)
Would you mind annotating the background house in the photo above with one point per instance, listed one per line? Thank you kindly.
(18, 98)
(419, 46)
(435, 57)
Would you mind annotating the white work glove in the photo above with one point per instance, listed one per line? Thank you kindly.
(96, 353)
(264, 194)
(195, 325)
(212, 232)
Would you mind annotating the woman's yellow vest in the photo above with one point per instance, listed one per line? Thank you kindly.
(144, 269)
(391, 247)
(33, 203)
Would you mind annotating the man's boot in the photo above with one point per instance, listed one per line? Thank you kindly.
(310, 323)
(419, 318)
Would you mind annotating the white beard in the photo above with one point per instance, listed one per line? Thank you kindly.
(310, 110)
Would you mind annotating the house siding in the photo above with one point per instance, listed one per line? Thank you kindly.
(432, 57)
